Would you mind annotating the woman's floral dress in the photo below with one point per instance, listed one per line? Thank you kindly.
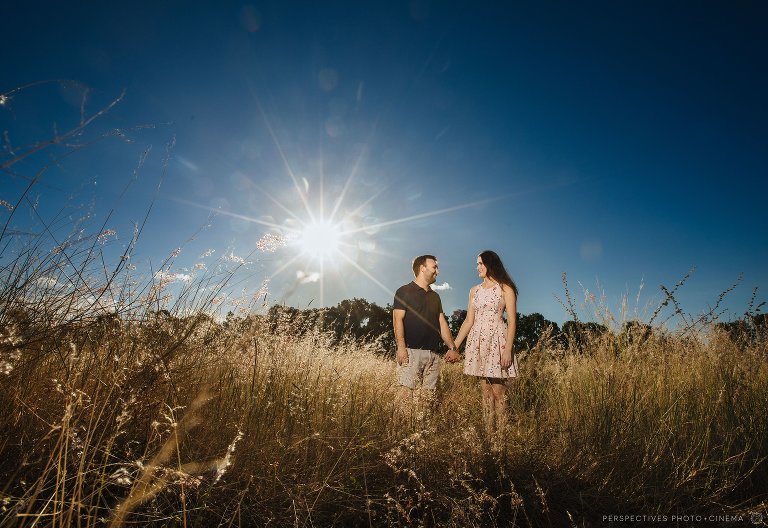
(488, 336)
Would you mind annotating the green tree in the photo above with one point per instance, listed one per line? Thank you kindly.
(748, 329)
(455, 320)
(577, 334)
(635, 331)
(360, 319)
(530, 328)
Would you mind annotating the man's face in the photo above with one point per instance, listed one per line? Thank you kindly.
(430, 271)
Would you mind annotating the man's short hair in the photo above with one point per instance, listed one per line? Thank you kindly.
(418, 262)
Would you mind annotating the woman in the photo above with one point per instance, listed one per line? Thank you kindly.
(489, 350)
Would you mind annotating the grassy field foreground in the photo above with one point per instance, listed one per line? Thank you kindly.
(168, 422)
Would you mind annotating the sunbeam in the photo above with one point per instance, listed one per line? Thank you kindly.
(283, 267)
(423, 215)
(371, 277)
(279, 148)
(351, 177)
(276, 202)
(227, 213)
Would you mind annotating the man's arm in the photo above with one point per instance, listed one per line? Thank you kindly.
(445, 332)
(397, 323)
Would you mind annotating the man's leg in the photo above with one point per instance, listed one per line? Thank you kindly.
(404, 396)
(405, 405)
(431, 376)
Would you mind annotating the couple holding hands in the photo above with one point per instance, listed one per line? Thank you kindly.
(420, 326)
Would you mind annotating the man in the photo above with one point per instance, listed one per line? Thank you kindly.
(420, 325)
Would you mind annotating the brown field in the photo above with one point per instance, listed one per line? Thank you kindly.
(186, 421)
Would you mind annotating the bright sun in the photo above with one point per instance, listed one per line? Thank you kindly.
(320, 240)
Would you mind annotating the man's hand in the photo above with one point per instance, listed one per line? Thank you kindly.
(452, 356)
(402, 356)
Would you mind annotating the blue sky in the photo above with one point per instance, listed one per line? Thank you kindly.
(620, 142)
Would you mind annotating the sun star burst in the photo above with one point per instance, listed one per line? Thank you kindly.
(320, 239)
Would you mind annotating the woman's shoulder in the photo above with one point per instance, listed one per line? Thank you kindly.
(506, 288)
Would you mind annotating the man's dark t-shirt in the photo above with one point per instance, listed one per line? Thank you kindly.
(422, 316)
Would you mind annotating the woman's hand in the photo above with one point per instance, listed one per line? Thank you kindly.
(506, 359)
(452, 356)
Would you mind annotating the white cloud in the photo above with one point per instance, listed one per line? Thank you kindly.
(166, 277)
(233, 258)
(184, 277)
(306, 277)
(47, 281)
(441, 287)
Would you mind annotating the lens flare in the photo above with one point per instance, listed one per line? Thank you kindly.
(320, 240)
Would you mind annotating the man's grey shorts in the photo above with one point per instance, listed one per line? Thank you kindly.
(422, 365)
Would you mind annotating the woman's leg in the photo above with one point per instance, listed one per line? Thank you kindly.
(486, 389)
(499, 392)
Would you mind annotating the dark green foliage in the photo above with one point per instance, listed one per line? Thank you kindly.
(576, 334)
(530, 329)
(355, 319)
(455, 320)
(750, 329)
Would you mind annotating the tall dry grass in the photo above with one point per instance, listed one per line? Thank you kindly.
(237, 425)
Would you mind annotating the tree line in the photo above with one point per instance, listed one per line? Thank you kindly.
(360, 319)
(363, 320)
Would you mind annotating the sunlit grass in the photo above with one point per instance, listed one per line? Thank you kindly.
(152, 422)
